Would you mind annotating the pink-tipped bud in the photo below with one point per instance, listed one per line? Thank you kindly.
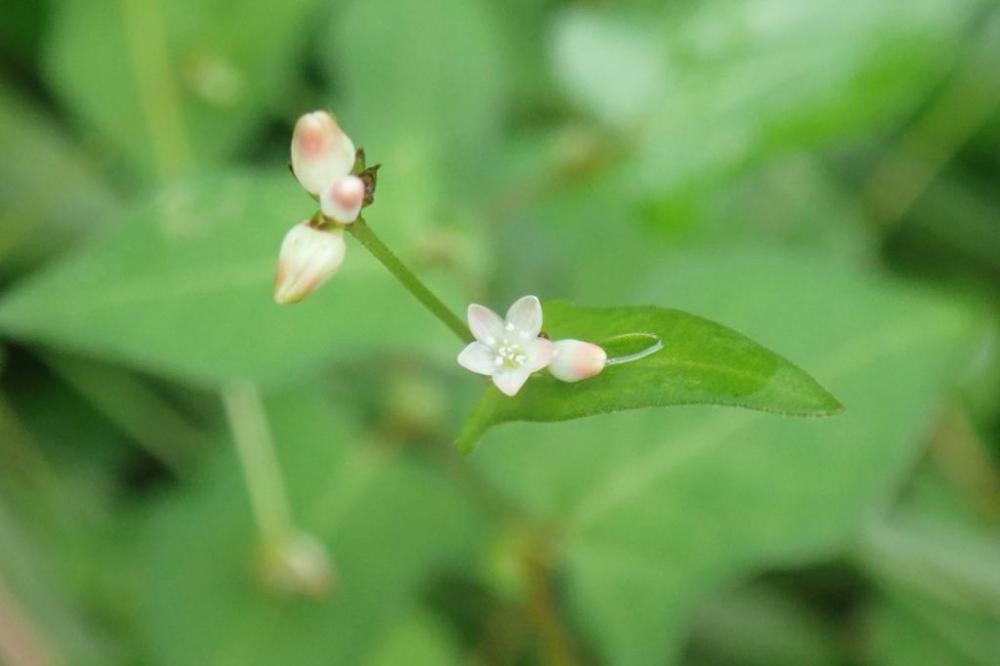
(321, 152)
(342, 200)
(308, 258)
(576, 360)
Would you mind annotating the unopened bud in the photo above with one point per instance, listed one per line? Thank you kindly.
(342, 200)
(308, 258)
(298, 566)
(321, 152)
(576, 360)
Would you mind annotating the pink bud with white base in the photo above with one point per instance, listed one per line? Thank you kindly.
(576, 360)
(321, 152)
(342, 200)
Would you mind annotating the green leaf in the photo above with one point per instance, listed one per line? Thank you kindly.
(658, 509)
(37, 603)
(609, 64)
(183, 285)
(940, 587)
(38, 160)
(754, 625)
(740, 82)
(162, 84)
(419, 77)
(421, 640)
(701, 362)
(389, 523)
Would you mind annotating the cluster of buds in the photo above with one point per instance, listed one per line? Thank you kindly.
(325, 162)
(509, 350)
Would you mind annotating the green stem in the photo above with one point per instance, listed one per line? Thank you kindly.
(258, 461)
(373, 244)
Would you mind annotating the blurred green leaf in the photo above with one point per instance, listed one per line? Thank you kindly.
(390, 524)
(701, 362)
(419, 76)
(941, 592)
(20, 31)
(552, 221)
(754, 625)
(134, 407)
(169, 84)
(657, 509)
(419, 641)
(955, 222)
(907, 632)
(610, 64)
(744, 79)
(794, 200)
(183, 286)
(50, 192)
(37, 600)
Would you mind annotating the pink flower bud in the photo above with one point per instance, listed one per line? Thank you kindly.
(576, 360)
(321, 152)
(342, 200)
(308, 258)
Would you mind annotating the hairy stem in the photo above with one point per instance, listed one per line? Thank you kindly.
(373, 244)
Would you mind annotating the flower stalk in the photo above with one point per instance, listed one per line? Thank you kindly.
(258, 461)
(413, 284)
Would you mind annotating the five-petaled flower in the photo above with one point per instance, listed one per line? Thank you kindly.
(507, 350)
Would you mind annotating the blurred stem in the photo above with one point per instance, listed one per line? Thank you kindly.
(161, 100)
(556, 639)
(255, 448)
(21, 644)
(380, 251)
(964, 460)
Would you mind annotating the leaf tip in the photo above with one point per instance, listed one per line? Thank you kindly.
(827, 404)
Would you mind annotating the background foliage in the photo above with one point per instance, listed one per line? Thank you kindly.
(820, 176)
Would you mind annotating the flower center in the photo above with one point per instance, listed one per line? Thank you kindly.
(510, 355)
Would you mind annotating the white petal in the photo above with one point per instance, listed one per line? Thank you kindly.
(576, 360)
(308, 258)
(510, 380)
(540, 353)
(486, 325)
(321, 152)
(526, 316)
(478, 358)
(342, 200)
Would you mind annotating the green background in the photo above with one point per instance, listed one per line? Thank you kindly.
(823, 177)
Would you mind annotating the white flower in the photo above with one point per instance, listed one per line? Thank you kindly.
(575, 360)
(342, 200)
(308, 258)
(508, 351)
(321, 153)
